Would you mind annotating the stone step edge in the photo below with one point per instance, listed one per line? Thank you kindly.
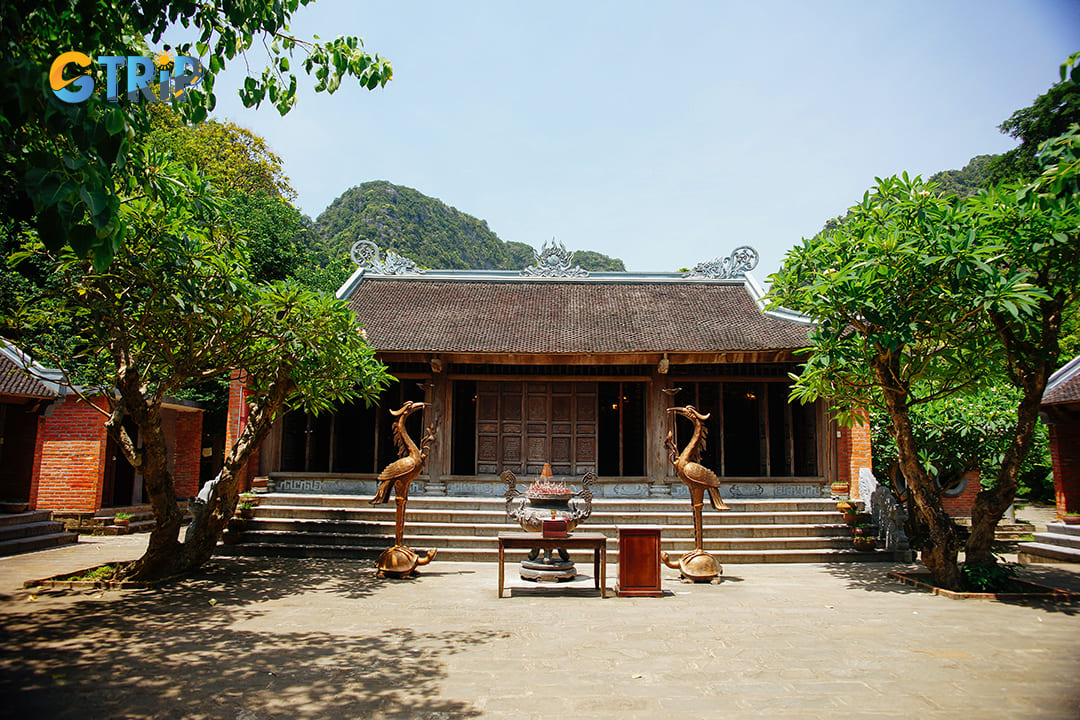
(1057, 540)
(389, 510)
(507, 527)
(1056, 552)
(449, 555)
(493, 540)
(30, 529)
(36, 542)
(498, 500)
(30, 516)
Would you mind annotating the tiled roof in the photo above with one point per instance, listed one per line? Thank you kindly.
(493, 316)
(15, 381)
(1064, 385)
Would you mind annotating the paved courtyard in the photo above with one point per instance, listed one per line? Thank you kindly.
(250, 639)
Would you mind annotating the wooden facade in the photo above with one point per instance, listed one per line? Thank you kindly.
(578, 373)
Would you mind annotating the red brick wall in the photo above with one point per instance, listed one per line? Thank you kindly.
(853, 453)
(1065, 456)
(187, 453)
(71, 463)
(961, 505)
(234, 425)
(35, 475)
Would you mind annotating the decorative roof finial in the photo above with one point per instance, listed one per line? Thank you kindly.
(554, 260)
(742, 260)
(366, 254)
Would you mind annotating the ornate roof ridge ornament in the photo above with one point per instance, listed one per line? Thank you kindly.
(554, 260)
(366, 254)
(742, 260)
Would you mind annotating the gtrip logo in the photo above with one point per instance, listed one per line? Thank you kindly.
(139, 75)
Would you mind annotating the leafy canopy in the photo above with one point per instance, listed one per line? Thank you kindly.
(65, 159)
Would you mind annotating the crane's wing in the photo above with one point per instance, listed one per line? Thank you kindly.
(700, 475)
(398, 469)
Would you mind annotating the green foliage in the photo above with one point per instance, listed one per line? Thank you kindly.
(1048, 117)
(894, 289)
(425, 230)
(180, 306)
(969, 431)
(999, 577)
(122, 516)
(101, 572)
(235, 160)
(65, 159)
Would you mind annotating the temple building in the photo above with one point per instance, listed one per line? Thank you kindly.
(577, 369)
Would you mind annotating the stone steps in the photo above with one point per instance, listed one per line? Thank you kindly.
(1059, 544)
(29, 531)
(466, 529)
(100, 522)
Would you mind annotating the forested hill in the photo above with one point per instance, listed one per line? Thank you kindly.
(427, 231)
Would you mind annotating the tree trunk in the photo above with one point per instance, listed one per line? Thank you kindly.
(199, 545)
(165, 555)
(991, 503)
(940, 552)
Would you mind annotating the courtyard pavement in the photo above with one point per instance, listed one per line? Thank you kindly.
(270, 638)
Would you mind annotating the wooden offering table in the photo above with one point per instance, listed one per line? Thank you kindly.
(597, 542)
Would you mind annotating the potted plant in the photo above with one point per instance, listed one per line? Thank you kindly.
(840, 488)
(245, 509)
(865, 543)
(122, 519)
(249, 497)
(1071, 518)
(864, 529)
(847, 506)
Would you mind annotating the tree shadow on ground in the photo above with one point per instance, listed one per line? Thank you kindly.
(873, 577)
(169, 652)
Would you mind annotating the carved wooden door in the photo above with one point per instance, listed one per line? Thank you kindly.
(522, 425)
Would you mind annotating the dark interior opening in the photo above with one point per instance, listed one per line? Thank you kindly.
(742, 443)
(463, 435)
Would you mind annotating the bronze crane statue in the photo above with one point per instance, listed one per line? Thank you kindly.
(696, 565)
(399, 560)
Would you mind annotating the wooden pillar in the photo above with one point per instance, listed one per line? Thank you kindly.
(656, 463)
(438, 395)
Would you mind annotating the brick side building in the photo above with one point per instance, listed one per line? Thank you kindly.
(56, 453)
(1061, 412)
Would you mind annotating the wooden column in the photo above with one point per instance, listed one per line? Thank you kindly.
(656, 464)
(438, 459)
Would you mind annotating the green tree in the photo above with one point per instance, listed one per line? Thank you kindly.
(1049, 116)
(178, 307)
(919, 297)
(65, 159)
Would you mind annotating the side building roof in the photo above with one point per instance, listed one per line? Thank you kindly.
(16, 378)
(1064, 385)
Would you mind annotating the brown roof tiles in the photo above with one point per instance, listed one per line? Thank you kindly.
(485, 316)
(15, 381)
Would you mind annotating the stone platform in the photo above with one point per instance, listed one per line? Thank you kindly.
(465, 529)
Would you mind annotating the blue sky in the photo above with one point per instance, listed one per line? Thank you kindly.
(663, 134)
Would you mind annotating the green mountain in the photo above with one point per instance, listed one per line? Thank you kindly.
(427, 231)
(973, 177)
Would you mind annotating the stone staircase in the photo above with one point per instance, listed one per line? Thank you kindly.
(1059, 544)
(34, 530)
(100, 522)
(465, 529)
